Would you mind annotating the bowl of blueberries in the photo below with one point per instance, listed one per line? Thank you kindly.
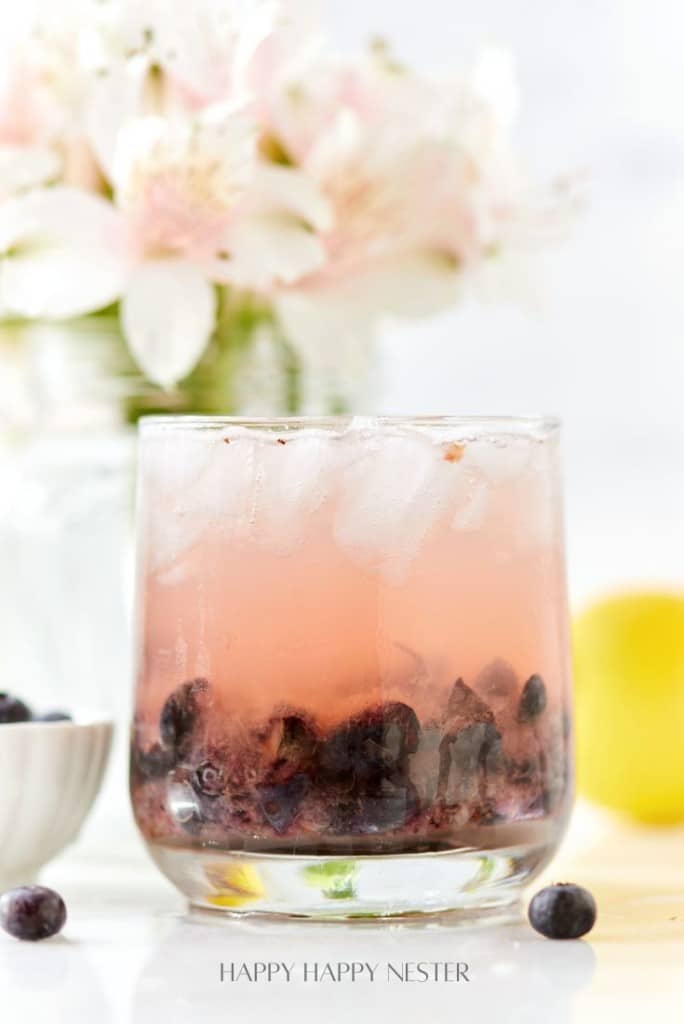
(56, 764)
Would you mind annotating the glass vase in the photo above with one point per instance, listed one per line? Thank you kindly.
(71, 396)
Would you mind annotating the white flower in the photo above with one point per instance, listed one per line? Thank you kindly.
(222, 143)
(192, 206)
(364, 143)
(423, 184)
(27, 132)
(163, 56)
(61, 254)
(41, 105)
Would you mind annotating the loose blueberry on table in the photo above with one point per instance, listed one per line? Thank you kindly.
(32, 913)
(562, 911)
(381, 775)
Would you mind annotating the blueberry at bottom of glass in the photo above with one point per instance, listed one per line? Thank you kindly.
(379, 814)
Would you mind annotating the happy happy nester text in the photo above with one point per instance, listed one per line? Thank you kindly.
(314, 971)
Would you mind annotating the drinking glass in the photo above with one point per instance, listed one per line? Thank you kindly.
(353, 685)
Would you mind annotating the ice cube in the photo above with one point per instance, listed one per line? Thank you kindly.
(472, 503)
(243, 483)
(194, 484)
(498, 459)
(293, 478)
(465, 707)
(391, 496)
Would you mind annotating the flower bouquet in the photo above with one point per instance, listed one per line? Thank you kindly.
(222, 189)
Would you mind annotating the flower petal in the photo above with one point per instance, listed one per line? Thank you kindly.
(25, 166)
(332, 324)
(168, 313)
(333, 334)
(410, 284)
(61, 254)
(112, 99)
(268, 248)
(289, 189)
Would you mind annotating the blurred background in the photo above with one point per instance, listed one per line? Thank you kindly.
(602, 345)
(600, 341)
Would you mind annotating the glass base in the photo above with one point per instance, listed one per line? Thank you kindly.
(342, 888)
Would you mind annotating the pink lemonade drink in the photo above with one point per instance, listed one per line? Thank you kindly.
(353, 689)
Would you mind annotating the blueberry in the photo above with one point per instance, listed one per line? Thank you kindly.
(562, 911)
(13, 710)
(522, 772)
(180, 714)
(288, 745)
(298, 739)
(209, 779)
(486, 814)
(541, 804)
(54, 716)
(32, 912)
(389, 805)
(195, 809)
(153, 763)
(371, 746)
(532, 700)
(280, 803)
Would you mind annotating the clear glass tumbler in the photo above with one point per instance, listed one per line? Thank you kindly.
(353, 686)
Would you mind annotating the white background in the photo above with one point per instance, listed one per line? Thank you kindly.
(603, 92)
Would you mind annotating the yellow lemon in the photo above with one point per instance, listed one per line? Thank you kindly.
(629, 687)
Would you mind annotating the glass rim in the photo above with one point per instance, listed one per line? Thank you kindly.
(535, 424)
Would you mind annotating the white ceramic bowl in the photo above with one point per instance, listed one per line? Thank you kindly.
(50, 774)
